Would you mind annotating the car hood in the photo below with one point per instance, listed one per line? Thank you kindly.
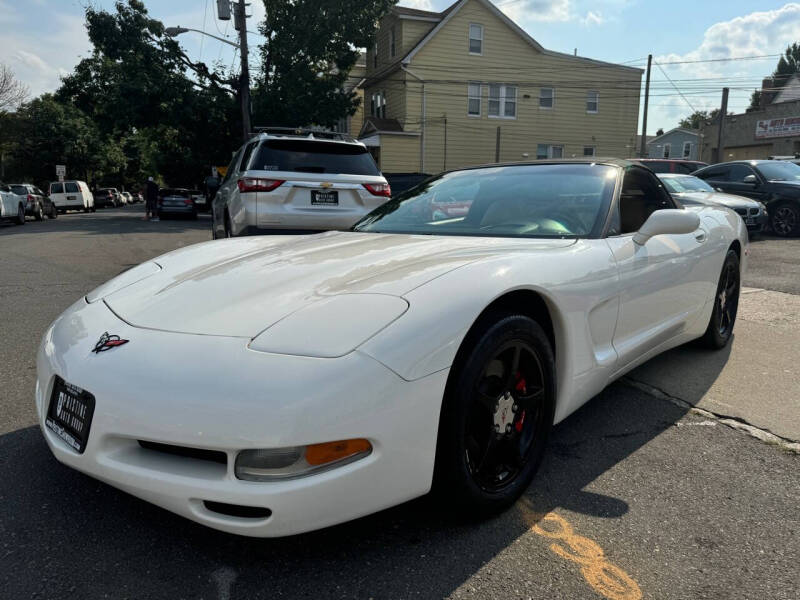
(718, 198)
(242, 286)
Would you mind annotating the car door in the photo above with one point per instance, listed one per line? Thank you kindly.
(661, 288)
(742, 180)
(225, 192)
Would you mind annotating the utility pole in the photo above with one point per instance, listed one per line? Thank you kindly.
(643, 147)
(244, 79)
(720, 133)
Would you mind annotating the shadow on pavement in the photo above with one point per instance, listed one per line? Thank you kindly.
(65, 534)
(129, 219)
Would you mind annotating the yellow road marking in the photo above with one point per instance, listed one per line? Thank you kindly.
(604, 577)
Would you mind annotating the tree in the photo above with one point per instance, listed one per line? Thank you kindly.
(302, 74)
(788, 65)
(48, 132)
(659, 132)
(12, 91)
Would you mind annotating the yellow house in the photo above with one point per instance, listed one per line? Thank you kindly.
(468, 86)
(355, 81)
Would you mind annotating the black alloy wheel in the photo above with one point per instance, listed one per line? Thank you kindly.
(496, 416)
(726, 305)
(785, 219)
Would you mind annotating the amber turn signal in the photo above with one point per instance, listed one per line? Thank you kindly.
(321, 454)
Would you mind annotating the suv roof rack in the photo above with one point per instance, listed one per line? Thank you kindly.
(305, 132)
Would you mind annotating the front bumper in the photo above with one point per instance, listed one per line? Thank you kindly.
(216, 394)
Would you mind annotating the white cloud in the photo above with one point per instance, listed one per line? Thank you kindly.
(593, 18)
(755, 34)
(549, 11)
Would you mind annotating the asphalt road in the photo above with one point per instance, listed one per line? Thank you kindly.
(638, 497)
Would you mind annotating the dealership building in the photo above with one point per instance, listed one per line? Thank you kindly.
(772, 129)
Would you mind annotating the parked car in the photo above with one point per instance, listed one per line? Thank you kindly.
(297, 180)
(671, 165)
(126, 197)
(176, 201)
(689, 189)
(12, 206)
(37, 204)
(355, 370)
(105, 197)
(774, 183)
(199, 199)
(71, 195)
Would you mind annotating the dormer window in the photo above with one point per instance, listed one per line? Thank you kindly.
(475, 38)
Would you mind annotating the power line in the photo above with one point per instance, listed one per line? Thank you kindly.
(663, 72)
(203, 37)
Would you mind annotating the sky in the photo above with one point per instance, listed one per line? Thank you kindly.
(42, 40)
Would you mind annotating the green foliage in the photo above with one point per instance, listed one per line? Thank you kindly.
(697, 118)
(47, 133)
(310, 47)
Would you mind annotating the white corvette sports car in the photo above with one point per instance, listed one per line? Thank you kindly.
(272, 385)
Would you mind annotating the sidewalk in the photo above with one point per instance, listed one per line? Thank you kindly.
(755, 379)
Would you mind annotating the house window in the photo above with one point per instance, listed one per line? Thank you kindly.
(475, 38)
(474, 99)
(589, 151)
(375, 55)
(502, 101)
(378, 105)
(592, 102)
(687, 149)
(667, 148)
(547, 97)
(549, 151)
(392, 43)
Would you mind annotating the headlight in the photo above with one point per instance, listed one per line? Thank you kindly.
(331, 327)
(270, 464)
(123, 280)
(763, 208)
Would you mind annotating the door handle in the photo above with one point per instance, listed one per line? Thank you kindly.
(700, 236)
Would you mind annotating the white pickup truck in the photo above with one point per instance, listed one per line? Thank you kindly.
(12, 207)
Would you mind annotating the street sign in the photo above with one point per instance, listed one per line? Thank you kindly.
(61, 172)
(222, 170)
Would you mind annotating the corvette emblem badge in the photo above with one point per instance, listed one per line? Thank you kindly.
(107, 342)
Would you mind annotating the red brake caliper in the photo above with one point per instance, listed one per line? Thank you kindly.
(520, 387)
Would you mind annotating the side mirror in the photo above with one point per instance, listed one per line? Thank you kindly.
(673, 221)
(750, 179)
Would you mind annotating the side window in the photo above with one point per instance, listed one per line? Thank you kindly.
(738, 172)
(71, 187)
(248, 152)
(56, 188)
(641, 195)
(715, 174)
(232, 166)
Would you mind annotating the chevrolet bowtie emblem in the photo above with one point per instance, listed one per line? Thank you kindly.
(326, 185)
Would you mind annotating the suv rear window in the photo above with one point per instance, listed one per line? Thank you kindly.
(20, 190)
(164, 192)
(313, 157)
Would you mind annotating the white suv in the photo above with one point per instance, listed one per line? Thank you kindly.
(300, 180)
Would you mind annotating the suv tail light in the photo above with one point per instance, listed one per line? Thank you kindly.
(379, 189)
(30, 199)
(254, 184)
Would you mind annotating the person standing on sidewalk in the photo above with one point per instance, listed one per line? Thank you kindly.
(151, 195)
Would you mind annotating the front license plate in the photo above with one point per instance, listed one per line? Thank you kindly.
(324, 198)
(70, 413)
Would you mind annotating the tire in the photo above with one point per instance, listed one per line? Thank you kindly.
(494, 413)
(53, 214)
(39, 214)
(784, 219)
(726, 304)
(20, 220)
(228, 228)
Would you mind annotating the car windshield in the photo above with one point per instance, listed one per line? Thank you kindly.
(687, 183)
(780, 171)
(313, 157)
(548, 200)
(20, 190)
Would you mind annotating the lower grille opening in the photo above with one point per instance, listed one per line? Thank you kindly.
(236, 510)
(198, 453)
